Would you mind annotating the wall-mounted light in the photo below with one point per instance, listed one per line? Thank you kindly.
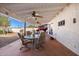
(74, 20)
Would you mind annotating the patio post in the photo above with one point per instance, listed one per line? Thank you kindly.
(24, 28)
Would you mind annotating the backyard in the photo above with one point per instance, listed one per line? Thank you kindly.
(7, 39)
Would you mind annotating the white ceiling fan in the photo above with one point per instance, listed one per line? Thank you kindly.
(36, 16)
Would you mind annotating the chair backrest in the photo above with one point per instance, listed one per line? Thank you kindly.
(19, 35)
(29, 32)
(42, 37)
(21, 38)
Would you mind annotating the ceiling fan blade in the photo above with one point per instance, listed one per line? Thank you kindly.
(34, 14)
(39, 16)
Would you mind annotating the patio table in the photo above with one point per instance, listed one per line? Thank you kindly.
(35, 39)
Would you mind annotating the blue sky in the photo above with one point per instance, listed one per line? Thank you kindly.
(16, 23)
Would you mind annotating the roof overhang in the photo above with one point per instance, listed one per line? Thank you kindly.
(23, 11)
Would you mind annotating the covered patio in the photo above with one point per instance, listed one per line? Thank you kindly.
(38, 14)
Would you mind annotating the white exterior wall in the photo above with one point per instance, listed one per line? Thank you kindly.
(68, 35)
(27, 29)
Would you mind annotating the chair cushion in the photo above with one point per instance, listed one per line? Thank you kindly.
(27, 41)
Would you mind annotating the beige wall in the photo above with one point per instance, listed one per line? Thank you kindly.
(68, 35)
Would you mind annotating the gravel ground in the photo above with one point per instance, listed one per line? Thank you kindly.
(7, 40)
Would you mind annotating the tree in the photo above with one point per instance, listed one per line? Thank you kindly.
(31, 26)
(4, 23)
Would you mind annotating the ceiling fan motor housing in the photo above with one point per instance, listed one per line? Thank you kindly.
(34, 14)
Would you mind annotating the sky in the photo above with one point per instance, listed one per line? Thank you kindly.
(16, 23)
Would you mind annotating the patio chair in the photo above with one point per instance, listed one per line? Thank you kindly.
(25, 42)
(28, 32)
(41, 40)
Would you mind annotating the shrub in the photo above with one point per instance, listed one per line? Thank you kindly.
(1, 31)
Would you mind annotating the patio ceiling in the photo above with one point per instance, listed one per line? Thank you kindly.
(23, 11)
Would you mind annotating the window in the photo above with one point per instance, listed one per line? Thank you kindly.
(61, 23)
